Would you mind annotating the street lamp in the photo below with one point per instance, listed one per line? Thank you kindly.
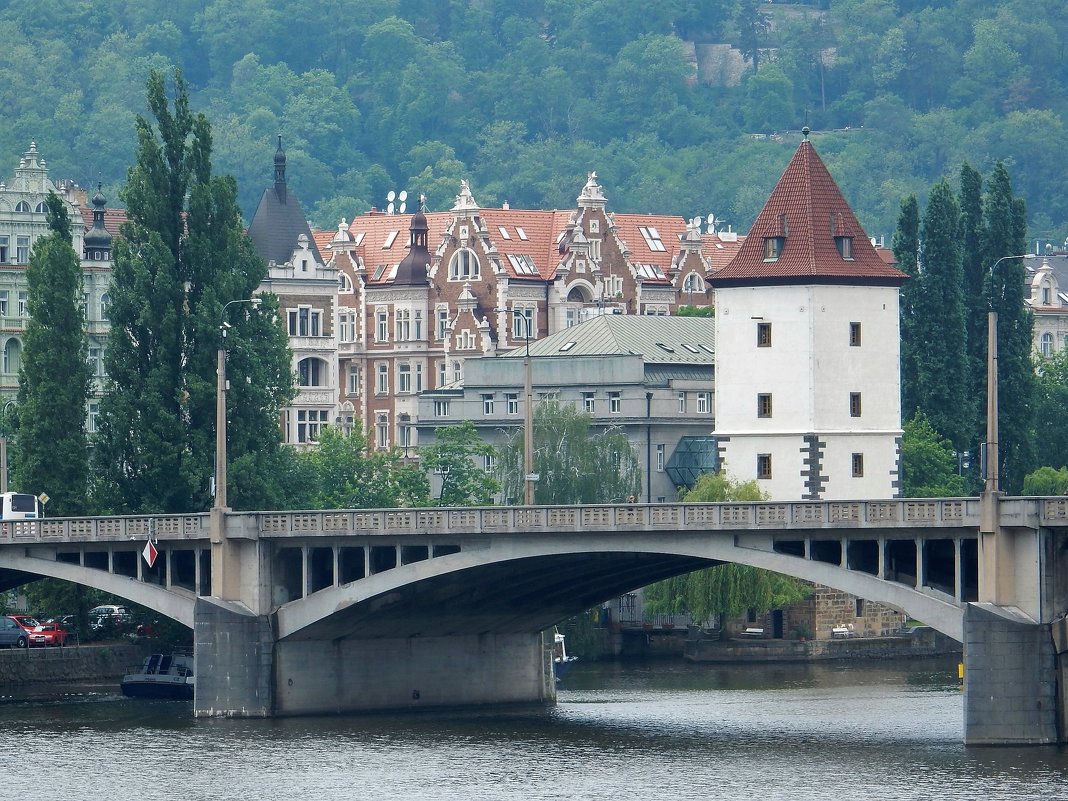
(3, 449)
(220, 405)
(529, 476)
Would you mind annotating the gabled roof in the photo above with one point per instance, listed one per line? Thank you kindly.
(807, 211)
(653, 240)
(526, 239)
(381, 241)
(660, 340)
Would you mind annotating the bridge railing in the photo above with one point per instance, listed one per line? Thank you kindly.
(109, 529)
(910, 513)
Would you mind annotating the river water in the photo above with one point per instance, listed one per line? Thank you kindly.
(643, 731)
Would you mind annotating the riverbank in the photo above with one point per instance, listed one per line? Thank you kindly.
(71, 664)
(921, 644)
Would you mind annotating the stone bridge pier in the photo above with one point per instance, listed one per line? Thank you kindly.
(1016, 635)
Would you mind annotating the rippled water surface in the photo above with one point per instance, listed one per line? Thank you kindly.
(663, 730)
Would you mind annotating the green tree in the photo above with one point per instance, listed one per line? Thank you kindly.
(906, 245)
(1005, 234)
(344, 474)
(928, 466)
(1051, 410)
(1046, 481)
(939, 327)
(182, 256)
(55, 376)
(575, 463)
(975, 296)
(727, 590)
(454, 456)
(753, 26)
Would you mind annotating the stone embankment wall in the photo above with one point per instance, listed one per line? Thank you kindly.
(72, 664)
(927, 643)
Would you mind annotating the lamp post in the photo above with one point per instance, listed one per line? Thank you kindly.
(529, 476)
(3, 449)
(220, 405)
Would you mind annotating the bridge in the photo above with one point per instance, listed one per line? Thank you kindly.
(348, 610)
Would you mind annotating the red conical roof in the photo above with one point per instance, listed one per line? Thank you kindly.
(807, 210)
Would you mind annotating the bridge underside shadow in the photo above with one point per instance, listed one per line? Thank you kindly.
(500, 598)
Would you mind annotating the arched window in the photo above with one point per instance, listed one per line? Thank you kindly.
(579, 294)
(693, 283)
(311, 372)
(464, 266)
(12, 356)
(23, 206)
(344, 282)
(1045, 344)
(42, 208)
(105, 301)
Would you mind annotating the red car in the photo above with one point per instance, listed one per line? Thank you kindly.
(49, 634)
(26, 623)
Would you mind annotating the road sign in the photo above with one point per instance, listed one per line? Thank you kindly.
(150, 553)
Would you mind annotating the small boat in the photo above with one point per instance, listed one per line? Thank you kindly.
(161, 676)
(561, 661)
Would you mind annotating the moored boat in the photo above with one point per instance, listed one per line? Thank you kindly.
(161, 676)
(561, 661)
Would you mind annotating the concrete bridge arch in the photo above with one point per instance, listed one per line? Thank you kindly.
(172, 602)
(510, 585)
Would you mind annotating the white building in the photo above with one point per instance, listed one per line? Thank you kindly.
(807, 342)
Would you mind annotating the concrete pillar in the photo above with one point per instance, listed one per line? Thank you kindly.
(1010, 678)
(233, 661)
(334, 676)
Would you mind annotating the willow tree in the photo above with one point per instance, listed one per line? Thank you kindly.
(727, 590)
(182, 256)
(575, 462)
(55, 376)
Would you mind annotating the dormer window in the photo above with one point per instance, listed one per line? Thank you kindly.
(845, 247)
(773, 247)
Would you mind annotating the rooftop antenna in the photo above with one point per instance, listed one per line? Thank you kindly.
(402, 197)
(714, 222)
(389, 201)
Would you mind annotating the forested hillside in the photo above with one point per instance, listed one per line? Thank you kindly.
(522, 99)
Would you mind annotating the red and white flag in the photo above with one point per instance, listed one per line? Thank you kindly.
(150, 553)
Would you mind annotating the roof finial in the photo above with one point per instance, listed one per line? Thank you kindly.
(805, 132)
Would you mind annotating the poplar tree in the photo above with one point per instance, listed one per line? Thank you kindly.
(970, 200)
(943, 376)
(1005, 234)
(54, 376)
(181, 256)
(906, 245)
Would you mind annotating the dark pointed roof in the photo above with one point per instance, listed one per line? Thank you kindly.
(412, 269)
(97, 237)
(806, 209)
(279, 220)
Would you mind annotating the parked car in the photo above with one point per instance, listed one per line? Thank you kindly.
(27, 623)
(49, 634)
(12, 635)
(120, 614)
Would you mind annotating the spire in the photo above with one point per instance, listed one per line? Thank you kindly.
(412, 270)
(280, 171)
(97, 238)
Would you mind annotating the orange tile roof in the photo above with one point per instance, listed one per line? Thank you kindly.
(719, 250)
(541, 228)
(807, 209)
(113, 219)
(669, 229)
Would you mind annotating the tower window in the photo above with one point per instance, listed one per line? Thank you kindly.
(764, 465)
(763, 335)
(773, 247)
(764, 404)
(854, 404)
